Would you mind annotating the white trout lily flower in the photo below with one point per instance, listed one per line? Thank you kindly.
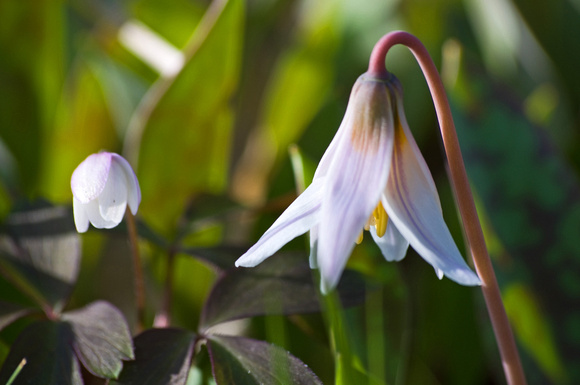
(373, 177)
(102, 186)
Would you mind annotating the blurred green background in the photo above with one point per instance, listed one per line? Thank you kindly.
(206, 98)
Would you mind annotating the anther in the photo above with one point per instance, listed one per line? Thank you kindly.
(360, 238)
(381, 219)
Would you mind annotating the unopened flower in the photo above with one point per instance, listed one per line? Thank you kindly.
(102, 186)
(373, 177)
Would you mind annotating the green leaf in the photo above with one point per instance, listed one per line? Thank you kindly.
(175, 20)
(222, 257)
(101, 338)
(302, 167)
(40, 252)
(283, 284)
(303, 76)
(533, 330)
(556, 26)
(84, 118)
(50, 359)
(31, 74)
(243, 361)
(10, 312)
(531, 197)
(162, 356)
(180, 134)
(296, 91)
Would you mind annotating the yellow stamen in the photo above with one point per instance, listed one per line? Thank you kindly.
(360, 238)
(381, 219)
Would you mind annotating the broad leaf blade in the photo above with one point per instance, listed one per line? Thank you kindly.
(188, 120)
(174, 20)
(31, 73)
(84, 118)
(40, 252)
(221, 257)
(241, 361)
(50, 359)
(282, 284)
(299, 84)
(162, 356)
(10, 312)
(555, 25)
(101, 338)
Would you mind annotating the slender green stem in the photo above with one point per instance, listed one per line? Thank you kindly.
(16, 371)
(344, 372)
(137, 271)
(503, 333)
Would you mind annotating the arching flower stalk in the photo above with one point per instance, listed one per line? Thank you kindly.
(504, 337)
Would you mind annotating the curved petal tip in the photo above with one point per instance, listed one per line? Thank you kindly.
(463, 276)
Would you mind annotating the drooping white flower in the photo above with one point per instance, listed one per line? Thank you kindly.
(372, 176)
(102, 186)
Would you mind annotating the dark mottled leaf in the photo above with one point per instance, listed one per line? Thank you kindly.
(283, 284)
(222, 257)
(243, 361)
(40, 252)
(149, 234)
(101, 338)
(162, 356)
(10, 312)
(50, 359)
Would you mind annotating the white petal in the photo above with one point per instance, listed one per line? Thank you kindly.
(355, 178)
(428, 181)
(392, 244)
(298, 218)
(89, 178)
(93, 211)
(80, 215)
(415, 210)
(133, 190)
(113, 199)
(328, 155)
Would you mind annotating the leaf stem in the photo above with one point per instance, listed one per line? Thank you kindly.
(506, 343)
(137, 271)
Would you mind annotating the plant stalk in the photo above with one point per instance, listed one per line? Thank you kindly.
(137, 271)
(505, 340)
(163, 318)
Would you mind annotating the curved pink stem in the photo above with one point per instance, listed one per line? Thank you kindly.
(501, 327)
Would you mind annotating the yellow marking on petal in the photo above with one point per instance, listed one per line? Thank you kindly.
(381, 218)
(360, 238)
